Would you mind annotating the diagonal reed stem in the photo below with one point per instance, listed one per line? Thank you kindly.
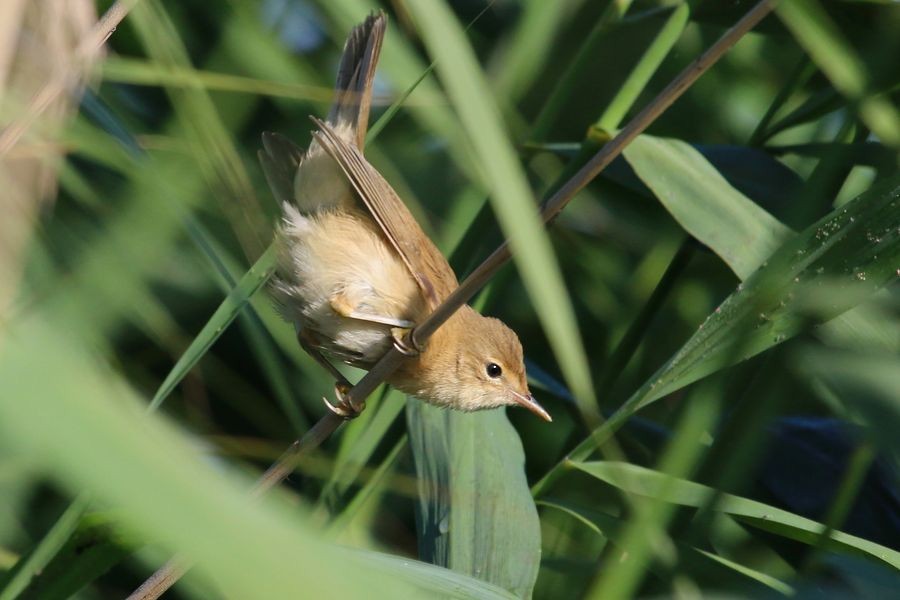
(166, 576)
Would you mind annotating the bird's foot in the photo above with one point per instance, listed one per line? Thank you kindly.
(344, 408)
(405, 342)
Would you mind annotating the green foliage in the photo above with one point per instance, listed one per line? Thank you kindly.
(750, 377)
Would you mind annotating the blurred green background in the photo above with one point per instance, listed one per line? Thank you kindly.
(729, 276)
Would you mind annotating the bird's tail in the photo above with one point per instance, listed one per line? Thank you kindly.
(353, 90)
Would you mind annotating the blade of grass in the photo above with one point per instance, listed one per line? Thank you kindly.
(358, 443)
(645, 531)
(139, 72)
(567, 83)
(27, 567)
(509, 193)
(234, 302)
(371, 490)
(525, 53)
(164, 489)
(640, 75)
(625, 349)
(726, 572)
(260, 343)
(842, 503)
(798, 77)
(665, 488)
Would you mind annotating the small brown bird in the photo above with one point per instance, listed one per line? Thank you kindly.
(356, 272)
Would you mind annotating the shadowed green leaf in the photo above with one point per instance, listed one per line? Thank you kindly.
(474, 512)
(449, 584)
(705, 204)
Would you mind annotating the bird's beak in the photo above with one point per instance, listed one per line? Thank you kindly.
(528, 401)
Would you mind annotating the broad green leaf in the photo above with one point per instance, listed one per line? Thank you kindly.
(705, 204)
(165, 490)
(449, 584)
(475, 513)
(652, 484)
(854, 249)
(510, 194)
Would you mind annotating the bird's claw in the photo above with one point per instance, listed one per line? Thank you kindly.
(405, 342)
(344, 407)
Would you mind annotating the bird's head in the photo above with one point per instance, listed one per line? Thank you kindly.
(489, 368)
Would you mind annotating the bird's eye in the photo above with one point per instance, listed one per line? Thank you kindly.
(493, 370)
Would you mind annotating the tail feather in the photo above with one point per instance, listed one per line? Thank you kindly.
(353, 90)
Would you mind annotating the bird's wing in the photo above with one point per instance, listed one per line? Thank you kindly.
(425, 262)
(280, 158)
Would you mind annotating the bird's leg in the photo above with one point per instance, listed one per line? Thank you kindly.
(344, 407)
(405, 342)
(307, 343)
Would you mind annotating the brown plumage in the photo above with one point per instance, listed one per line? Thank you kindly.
(356, 271)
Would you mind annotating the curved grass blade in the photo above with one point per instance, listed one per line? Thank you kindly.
(819, 35)
(249, 284)
(653, 484)
(360, 439)
(640, 75)
(358, 509)
(727, 573)
(260, 343)
(28, 567)
(93, 549)
(525, 52)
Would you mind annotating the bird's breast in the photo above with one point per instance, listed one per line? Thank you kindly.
(334, 263)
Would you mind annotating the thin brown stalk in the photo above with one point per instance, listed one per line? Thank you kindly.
(66, 77)
(172, 571)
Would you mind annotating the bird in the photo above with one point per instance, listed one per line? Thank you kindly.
(355, 273)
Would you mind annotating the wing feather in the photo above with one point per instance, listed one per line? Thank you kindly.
(425, 262)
